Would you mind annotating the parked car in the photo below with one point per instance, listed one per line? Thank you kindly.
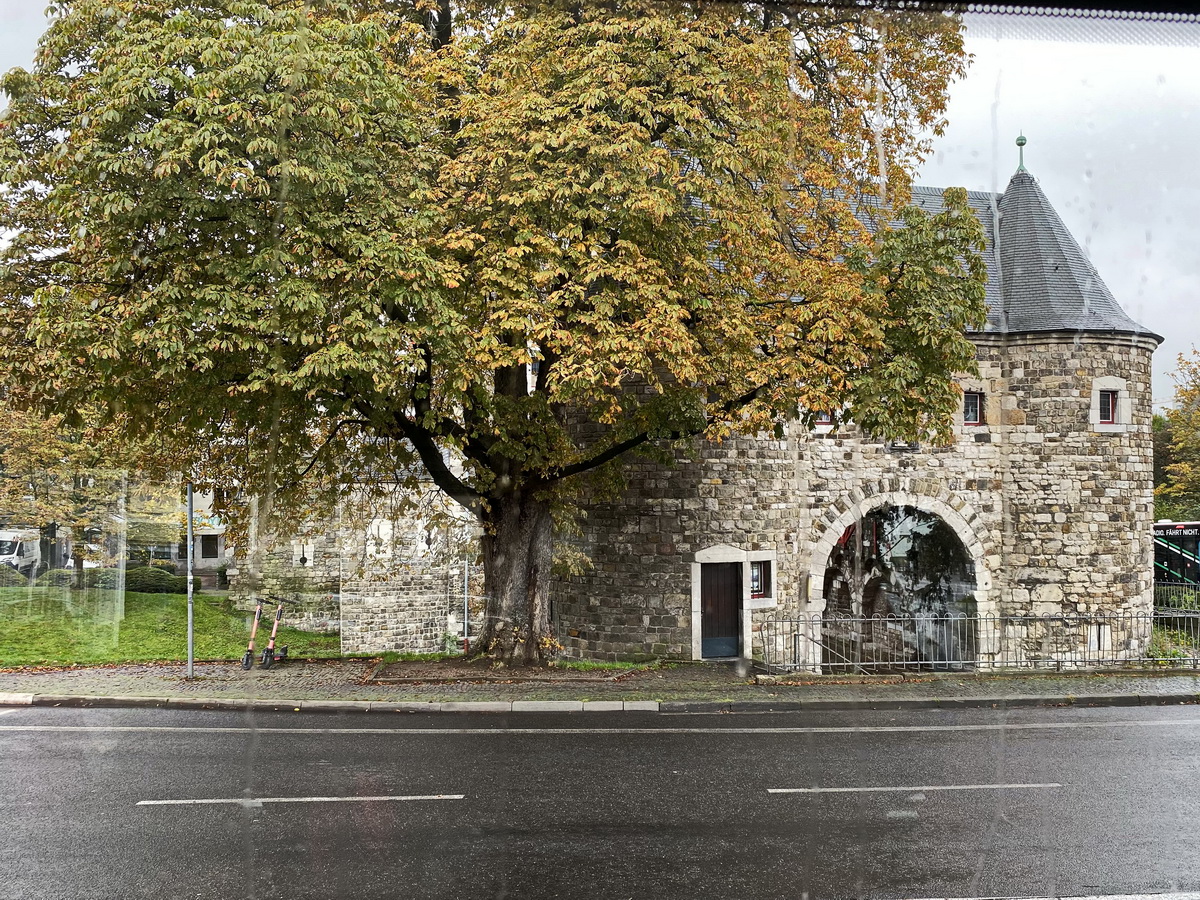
(20, 550)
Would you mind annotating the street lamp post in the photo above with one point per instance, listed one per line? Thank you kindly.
(191, 553)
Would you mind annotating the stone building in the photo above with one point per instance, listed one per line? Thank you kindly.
(1042, 506)
(390, 571)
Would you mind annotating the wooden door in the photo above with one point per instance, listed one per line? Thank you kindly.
(720, 608)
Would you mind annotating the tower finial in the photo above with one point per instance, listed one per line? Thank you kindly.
(1021, 151)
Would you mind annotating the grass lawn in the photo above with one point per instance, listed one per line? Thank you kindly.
(57, 626)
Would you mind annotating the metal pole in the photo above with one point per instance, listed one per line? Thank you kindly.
(191, 554)
(466, 608)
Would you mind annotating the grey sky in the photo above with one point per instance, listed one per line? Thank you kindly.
(1112, 114)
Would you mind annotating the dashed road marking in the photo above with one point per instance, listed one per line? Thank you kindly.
(914, 789)
(254, 802)
(1186, 895)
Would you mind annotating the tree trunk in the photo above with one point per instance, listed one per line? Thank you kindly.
(518, 548)
(78, 548)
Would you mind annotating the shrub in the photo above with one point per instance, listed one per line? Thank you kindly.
(153, 580)
(57, 578)
(10, 577)
(167, 567)
(102, 578)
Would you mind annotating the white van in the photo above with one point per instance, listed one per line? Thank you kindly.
(20, 550)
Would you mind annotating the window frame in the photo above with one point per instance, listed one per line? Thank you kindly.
(1120, 405)
(979, 418)
(1113, 399)
(761, 567)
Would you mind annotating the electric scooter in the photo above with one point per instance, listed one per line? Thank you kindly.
(248, 656)
(270, 655)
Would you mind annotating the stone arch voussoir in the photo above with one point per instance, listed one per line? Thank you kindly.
(922, 495)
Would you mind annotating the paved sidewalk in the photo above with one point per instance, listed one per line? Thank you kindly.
(688, 687)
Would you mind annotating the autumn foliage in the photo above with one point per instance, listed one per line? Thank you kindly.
(307, 241)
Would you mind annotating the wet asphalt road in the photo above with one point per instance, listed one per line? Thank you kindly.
(1095, 801)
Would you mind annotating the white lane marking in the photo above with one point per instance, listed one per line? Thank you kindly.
(815, 729)
(5, 712)
(1186, 895)
(914, 788)
(259, 801)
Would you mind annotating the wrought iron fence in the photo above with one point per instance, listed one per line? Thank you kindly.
(832, 644)
(1177, 596)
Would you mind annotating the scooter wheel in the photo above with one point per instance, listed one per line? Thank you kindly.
(247, 660)
(268, 658)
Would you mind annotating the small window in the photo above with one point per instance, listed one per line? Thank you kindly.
(760, 579)
(824, 418)
(1108, 407)
(208, 546)
(972, 408)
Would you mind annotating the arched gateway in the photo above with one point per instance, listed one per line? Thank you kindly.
(916, 553)
(897, 579)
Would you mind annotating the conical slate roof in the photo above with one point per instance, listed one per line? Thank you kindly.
(1038, 276)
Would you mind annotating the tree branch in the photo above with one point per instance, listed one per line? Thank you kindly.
(617, 449)
(317, 453)
(435, 465)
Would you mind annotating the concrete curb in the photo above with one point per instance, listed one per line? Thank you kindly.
(646, 706)
(264, 705)
(904, 703)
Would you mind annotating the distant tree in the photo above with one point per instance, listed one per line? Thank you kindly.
(85, 480)
(1163, 457)
(512, 243)
(50, 475)
(1177, 464)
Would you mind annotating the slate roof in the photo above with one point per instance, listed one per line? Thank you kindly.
(1038, 276)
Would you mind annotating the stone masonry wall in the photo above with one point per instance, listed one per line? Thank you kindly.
(1078, 495)
(1053, 507)
(387, 574)
(636, 599)
(417, 608)
(1054, 510)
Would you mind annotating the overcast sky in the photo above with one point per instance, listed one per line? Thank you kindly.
(1111, 111)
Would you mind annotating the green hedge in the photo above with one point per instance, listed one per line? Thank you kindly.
(151, 580)
(10, 577)
(141, 579)
(102, 578)
(57, 578)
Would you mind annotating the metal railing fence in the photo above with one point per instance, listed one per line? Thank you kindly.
(833, 644)
(1177, 596)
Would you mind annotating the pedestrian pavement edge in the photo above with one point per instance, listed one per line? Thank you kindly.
(665, 706)
(905, 703)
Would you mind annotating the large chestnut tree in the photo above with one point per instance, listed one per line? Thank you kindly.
(308, 243)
